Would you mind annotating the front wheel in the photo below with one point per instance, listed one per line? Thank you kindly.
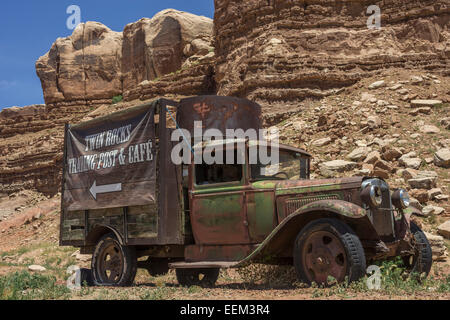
(197, 277)
(113, 264)
(328, 248)
(422, 260)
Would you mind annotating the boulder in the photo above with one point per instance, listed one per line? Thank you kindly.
(415, 203)
(338, 165)
(410, 162)
(372, 157)
(409, 173)
(429, 129)
(377, 172)
(434, 192)
(420, 194)
(359, 154)
(416, 79)
(437, 247)
(425, 103)
(442, 158)
(423, 183)
(377, 85)
(380, 164)
(433, 210)
(445, 123)
(444, 229)
(390, 154)
(321, 142)
(373, 122)
(36, 268)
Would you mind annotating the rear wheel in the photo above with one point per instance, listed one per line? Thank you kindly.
(328, 248)
(197, 277)
(113, 264)
(423, 259)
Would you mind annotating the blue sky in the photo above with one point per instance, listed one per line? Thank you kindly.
(28, 28)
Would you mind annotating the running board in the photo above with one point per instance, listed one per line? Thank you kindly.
(204, 265)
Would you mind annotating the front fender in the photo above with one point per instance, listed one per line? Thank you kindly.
(340, 207)
(281, 239)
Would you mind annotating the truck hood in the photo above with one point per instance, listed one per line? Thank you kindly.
(306, 186)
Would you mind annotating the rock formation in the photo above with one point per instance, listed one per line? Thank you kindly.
(159, 46)
(95, 64)
(281, 52)
(83, 67)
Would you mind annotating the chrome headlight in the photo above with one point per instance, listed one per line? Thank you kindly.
(371, 195)
(400, 199)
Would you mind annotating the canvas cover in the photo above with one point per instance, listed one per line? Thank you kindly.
(111, 161)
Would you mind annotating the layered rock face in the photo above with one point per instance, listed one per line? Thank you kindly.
(31, 140)
(28, 152)
(95, 64)
(159, 46)
(83, 67)
(281, 52)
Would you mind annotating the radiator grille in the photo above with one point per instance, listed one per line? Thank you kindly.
(293, 205)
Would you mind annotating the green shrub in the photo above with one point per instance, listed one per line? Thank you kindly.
(25, 286)
(117, 99)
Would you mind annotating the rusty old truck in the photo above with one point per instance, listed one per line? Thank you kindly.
(129, 204)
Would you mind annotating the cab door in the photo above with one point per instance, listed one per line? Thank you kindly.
(218, 204)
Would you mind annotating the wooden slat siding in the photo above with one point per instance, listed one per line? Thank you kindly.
(74, 215)
(141, 231)
(77, 234)
(72, 234)
(109, 217)
(73, 219)
(136, 210)
(98, 213)
(142, 222)
(74, 223)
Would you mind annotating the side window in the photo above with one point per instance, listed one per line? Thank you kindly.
(218, 173)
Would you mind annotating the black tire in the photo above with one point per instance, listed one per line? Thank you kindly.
(122, 262)
(86, 277)
(422, 261)
(339, 253)
(157, 267)
(197, 277)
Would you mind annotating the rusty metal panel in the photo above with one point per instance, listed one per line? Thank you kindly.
(219, 113)
(171, 222)
(293, 204)
(261, 214)
(195, 253)
(219, 218)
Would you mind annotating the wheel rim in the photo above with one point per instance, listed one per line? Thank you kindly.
(111, 264)
(323, 256)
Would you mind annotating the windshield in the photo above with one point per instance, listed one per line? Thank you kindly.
(291, 166)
